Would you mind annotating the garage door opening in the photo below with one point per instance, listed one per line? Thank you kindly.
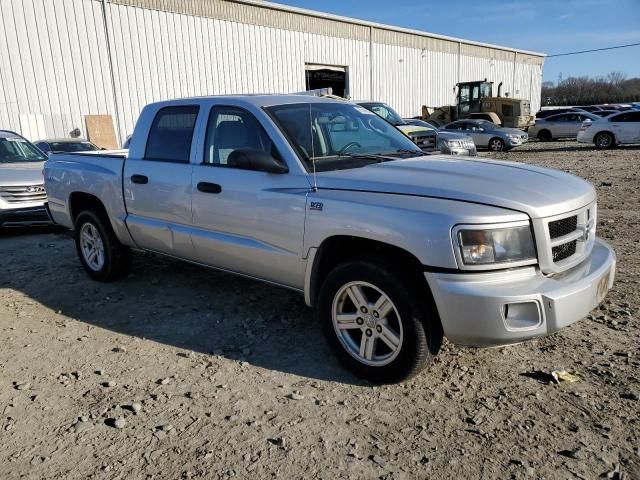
(325, 76)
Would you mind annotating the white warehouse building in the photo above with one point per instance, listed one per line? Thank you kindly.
(62, 60)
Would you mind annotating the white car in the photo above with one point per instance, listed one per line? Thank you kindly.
(616, 129)
(562, 125)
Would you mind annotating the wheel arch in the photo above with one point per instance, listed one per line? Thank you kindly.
(80, 201)
(543, 133)
(339, 248)
(615, 139)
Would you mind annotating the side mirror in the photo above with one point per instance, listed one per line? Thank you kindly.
(250, 159)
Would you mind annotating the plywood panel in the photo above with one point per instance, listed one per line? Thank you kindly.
(100, 131)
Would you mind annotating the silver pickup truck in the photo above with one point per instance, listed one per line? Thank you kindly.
(394, 249)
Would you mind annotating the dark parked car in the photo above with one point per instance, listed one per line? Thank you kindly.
(65, 145)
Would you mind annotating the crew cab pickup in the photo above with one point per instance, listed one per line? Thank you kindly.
(393, 248)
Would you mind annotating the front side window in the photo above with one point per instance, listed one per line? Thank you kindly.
(232, 128)
(171, 134)
(16, 150)
(333, 136)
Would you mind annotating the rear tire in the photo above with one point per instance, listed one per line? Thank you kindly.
(378, 321)
(545, 136)
(103, 257)
(604, 140)
(496, 144)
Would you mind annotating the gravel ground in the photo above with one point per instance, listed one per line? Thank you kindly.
(181, 372)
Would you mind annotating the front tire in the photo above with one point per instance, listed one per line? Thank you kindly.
(545, 136)
(377, 321)
(496, 144)
(103, 257)
(604, 140)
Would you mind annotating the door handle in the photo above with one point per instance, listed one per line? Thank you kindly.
(142, 179)
(207, 187)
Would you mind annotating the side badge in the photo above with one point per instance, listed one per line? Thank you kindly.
(316, 206)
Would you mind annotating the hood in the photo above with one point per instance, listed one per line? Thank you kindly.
(409, 130)
(511, 131)
(536, 191)
(24, 173)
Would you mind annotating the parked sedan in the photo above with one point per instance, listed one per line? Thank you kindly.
(486, 134)
(449, 143)
(65, 145)
(617, 129)
(563, 125)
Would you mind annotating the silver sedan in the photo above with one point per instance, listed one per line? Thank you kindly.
(563, 125)
(488, 135)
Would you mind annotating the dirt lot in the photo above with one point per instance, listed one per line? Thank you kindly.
(181, 372)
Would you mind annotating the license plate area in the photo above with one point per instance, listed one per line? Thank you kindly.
(603, 287)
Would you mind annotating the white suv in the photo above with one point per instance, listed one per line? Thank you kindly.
(616, 129)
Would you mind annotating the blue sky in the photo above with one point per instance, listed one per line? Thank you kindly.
(546, 26)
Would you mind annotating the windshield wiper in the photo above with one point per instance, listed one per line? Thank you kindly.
(404, 151)
(373, 156)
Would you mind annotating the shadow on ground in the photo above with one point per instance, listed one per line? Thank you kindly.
(174, 303)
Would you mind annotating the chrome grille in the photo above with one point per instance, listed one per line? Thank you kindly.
(560, 228)
(565, 240)
(564, 251)
(23, 193)
(425, 142)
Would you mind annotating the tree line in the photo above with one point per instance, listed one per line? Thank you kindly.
(613, 88)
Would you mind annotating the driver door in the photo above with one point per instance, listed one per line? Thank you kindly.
(246, 221)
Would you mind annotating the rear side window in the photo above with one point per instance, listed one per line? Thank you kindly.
(171, 134)
(627, 117)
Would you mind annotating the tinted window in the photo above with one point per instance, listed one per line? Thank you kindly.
(232, 129)
(627, 117)
(43, 146)
(171, 133)
(72, 147)
(454, 126)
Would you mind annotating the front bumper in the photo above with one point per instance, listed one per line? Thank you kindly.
(500, 308)
(513, 142)
(25, 217)
(465, 152)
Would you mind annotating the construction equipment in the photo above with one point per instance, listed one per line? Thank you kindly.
(474, 99)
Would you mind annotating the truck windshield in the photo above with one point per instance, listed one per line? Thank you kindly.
(16, 149)
(72, 146)
(335, 136)
(385, 111)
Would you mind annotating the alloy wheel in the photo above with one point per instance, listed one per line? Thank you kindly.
(367, 323)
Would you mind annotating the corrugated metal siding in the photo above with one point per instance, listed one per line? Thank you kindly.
(177, 55)
(56, 65)
(254, 15)
(53, 67)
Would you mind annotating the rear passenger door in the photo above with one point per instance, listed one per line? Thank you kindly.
(157, 186)
(246, 221)
(627, 127)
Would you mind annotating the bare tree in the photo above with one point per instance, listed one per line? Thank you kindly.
(614, 88)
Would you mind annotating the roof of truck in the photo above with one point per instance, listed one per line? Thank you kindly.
(258, 100)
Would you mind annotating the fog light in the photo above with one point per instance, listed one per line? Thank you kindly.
(522, 315)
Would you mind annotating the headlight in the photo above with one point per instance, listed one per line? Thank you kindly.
(453, 143)
(515, 138)
(494, 246)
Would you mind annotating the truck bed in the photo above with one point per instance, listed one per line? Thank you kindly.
(97, 174)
